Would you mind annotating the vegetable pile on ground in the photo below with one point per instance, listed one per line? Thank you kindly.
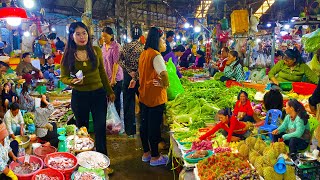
(226, 164)
(200, 102)
(26, 168)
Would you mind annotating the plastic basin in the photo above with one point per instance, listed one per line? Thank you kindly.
(286, 86)
(303, 88)
(210, 153)
(33, 159)
(43, 151)
(50, 173)
(67, 172)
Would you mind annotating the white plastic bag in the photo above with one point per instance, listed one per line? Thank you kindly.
(114, 125)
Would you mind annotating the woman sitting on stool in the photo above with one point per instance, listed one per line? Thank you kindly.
(243, 109)
(46, 131)
(294, 130)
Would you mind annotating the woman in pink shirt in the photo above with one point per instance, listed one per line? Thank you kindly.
(111, 55)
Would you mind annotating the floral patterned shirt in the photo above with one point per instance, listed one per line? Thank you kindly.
(4, 154)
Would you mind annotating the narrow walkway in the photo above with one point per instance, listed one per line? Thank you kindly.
(125, 155)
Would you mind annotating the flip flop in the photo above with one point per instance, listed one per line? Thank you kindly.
(163, 160)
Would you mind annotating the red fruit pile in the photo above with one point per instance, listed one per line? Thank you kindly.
(203, 145)
(222, 149)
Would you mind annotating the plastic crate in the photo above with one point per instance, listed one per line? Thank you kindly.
(308, 172)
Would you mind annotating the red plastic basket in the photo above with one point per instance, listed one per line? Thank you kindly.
(49, 172)
(67, 172)
(42, 151)
(303, 88)
(34, 159)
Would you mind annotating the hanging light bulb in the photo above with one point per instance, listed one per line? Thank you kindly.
(28, 3)
(186, 25)
(268, 25)
(178, 37)
(13, 21)
(53, 29)
(183, 38)
(26, 34)
(287, 26)
(197, 29)
(305, 26)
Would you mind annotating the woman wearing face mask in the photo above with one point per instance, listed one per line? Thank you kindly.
(88, 94)
(174, 55)
(292, 69)
(234, 129)
(111, 55)
(153, 96)
(234, 68)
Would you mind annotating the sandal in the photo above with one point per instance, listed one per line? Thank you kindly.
(163, 160)
(110, 171)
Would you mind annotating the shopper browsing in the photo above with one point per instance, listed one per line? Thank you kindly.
(169, 39)
(129, 60)
(111, 54)
(153, 96)
(174, 55)
(14, 121)
(292, 69)
(46, 131)
(294, 130)
(89, 93)
(25, 70)
(233, 129)
(6, 152)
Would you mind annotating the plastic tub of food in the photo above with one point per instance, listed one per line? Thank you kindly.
(33, 159)
(67, 171)
(43, 151)
(303, 88)
(24, 141)
(49, 173)
(286, 86)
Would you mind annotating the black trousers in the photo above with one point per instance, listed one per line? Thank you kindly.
(117, 89)
(4, 177)
(295, 144)
(52, 136)
(129, 104)
(224, 78)
(150, 131)
(84, 102)
(248, 119)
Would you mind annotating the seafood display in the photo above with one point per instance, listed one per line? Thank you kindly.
(86, 176)
(26, 168)
(80, 144)
(61, 163)
(61, 114)
(93, 160)
(45, 177)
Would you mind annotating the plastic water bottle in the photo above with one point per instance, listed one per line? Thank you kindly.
(314, 144)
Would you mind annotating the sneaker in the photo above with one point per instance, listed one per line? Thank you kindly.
(163, 160)
(146, 159)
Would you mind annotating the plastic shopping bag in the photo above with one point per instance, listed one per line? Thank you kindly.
(315, 65)
(175, 86)
(114, 125)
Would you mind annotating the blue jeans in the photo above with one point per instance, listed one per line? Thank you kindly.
(16, 129)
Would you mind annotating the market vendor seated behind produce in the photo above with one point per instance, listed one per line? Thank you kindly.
(14, 121)
(292, 69)
(233, 68)
(25, 70)
(243, 109)
(295, 129)
(46, 131)
(5, 154)
(48, 69)
(233, 128)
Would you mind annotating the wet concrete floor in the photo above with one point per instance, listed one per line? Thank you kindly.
(125, 155)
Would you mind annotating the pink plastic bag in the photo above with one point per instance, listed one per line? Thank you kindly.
(114, 125)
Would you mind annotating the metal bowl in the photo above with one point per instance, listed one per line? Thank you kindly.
(24, 141)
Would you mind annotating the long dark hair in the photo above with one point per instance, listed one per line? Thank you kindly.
(273, 100)
(179, 48)
(109, 31)
(153, 38)
(299, 109)
(236, 55)
(225, 112)
(25, 89)
(294, 54)
(68, 59)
